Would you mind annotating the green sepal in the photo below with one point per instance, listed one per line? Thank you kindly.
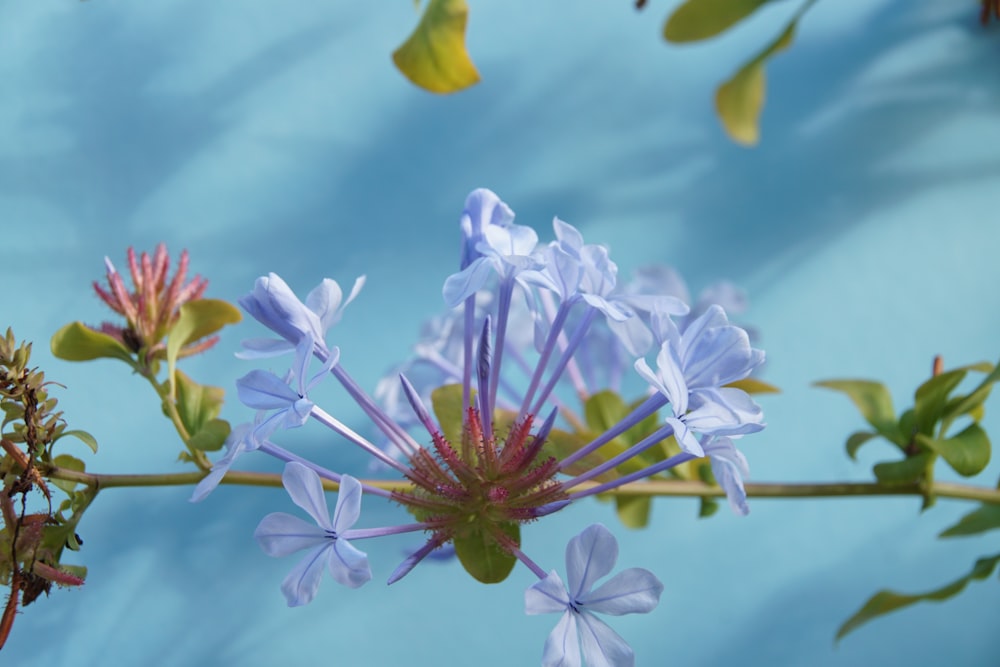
(696, 20)
(211, 436)
(873, 402)
(482, 556)
(196, 320)
(981, 520)
(69, 463)
(78, 342)
(83, 437)
(968, 453)
(887, 601)
(434, 56)
(855, 440)
(197, 404)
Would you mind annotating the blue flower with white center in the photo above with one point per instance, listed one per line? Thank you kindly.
(280, 534)
(589, 556)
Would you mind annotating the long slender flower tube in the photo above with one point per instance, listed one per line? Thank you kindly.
(493, 389)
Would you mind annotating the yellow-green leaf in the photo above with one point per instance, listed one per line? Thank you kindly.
(701, 19)
(754, 386)
(884, 602)
(197, 320)
(481, 555)
(434, 56)
(78, 342)
(740, 100)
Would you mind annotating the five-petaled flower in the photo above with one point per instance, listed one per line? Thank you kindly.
(280, 534)
(589, 556)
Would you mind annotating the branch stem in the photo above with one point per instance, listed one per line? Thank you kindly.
(651, 488)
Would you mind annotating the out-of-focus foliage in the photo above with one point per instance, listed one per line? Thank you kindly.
(923, 434)
(434, 56)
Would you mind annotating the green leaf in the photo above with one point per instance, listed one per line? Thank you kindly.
(196, 320)
(482, 557)
(70, 463)
(855, 440)
(446, 401)
(633, 511)
(197, 404)
(434, 56)
(603, 410)
(83, 436)
(739, 100)
(887, 601)
(708, 507)
(968, 404)
(700, 19)
(211, 436)
(968, 452)
(754, 386)
(931, 398)
(987, 517)
(906, 471)
(873, 401)
(78, 342)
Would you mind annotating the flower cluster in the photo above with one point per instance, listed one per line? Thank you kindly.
(152, 308)
(528, 321)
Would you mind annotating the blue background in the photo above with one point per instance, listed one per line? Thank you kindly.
(266, 136)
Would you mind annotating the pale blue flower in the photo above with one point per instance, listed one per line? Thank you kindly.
(280, 534)
(729, 467)
(241, 440)
(590, 556)
(707, 355)
(273, 304)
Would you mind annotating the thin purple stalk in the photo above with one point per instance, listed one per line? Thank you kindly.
(667, 464)
(567, 354)
(555, 329)
(338, 426)
(641, 446)
(532, 565)
(365, 533)
(483, 375)
(506, 290)
(396, 434)
(648, 407)
(283, 454)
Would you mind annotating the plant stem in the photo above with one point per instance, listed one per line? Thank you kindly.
(652, 488)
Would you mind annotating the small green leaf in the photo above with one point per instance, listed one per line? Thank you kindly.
(434, 56)
(754, 386)
(987, 517)
(739, 100)
(907, 471)
(482, 557)
(603, 410)
(700, 19)
(968, 452)
(855, 440)
(446, 401)
(197, 404)
(78, 342)
(196, 320)
(887, 601)
(931, 398)
(69, 463)
(633, 511)
(707, 507)
(211, 436)
(83, 436)
(873, 401)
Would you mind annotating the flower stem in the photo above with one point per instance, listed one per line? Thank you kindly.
(649, 488)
